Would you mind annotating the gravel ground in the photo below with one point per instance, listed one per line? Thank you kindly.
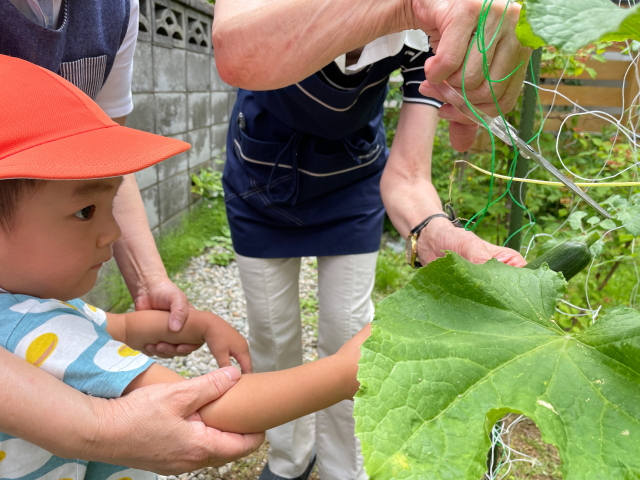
(217, 288)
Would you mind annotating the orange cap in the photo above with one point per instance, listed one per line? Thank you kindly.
(51, 130)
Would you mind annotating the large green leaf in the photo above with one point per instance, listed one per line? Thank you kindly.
(461, 345)
(572, 24)
(525, 33)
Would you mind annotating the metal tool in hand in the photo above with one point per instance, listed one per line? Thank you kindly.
(498, 127)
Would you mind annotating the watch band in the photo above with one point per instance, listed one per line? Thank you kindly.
(426, 221)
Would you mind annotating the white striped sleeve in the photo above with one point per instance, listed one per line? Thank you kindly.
(413, 75)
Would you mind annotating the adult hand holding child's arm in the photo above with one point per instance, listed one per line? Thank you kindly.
(151, 429)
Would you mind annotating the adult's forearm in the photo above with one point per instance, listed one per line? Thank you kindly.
(410, 203)
(141, 266)
(268, 44)
(136, 251)
(407, 192)
(145, 430)
(410, 197)
(39, 408)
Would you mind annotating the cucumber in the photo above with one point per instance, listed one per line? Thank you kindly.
(568, 258)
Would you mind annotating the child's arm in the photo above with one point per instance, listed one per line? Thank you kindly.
(137, 329)
(264, 400)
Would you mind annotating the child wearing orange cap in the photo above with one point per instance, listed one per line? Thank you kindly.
(61, 164)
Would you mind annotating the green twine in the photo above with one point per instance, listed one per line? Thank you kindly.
(479, 39)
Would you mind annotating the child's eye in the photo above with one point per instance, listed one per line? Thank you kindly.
(86, 213)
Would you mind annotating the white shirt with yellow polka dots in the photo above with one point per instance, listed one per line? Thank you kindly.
(69, 341)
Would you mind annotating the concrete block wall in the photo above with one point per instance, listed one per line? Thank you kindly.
(177, 93)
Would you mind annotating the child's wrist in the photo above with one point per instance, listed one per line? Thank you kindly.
(199, 324)
(347, 370)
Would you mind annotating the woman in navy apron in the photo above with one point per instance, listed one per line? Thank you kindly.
(302, 178)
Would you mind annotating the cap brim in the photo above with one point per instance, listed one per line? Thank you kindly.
(105, 152)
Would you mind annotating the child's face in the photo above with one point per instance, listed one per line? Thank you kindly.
(61, 236)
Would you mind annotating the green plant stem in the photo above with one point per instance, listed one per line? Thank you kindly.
(519, 191)
(613, 269)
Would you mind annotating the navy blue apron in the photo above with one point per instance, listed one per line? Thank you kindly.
(303, 169)
(82, 49)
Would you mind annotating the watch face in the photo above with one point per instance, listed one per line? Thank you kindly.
(409, 250)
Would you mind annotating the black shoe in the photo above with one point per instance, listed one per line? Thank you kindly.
(266, 474)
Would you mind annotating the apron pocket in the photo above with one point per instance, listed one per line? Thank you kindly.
(293, 173)
(269, 169)
(87, 74)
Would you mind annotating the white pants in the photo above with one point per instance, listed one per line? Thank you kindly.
(271, 288)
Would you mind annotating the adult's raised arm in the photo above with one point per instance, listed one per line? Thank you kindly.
(152, 428)
(268, 44)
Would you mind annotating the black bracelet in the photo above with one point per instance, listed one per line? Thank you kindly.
(426, 221)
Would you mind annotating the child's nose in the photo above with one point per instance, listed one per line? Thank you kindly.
(110, 234)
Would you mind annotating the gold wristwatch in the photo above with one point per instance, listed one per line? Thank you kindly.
(412, 240)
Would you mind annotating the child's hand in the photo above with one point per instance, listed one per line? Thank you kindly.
(224, 342)
(349, 355)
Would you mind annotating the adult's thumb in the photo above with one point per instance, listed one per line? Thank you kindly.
(179, 310)
(206, 388)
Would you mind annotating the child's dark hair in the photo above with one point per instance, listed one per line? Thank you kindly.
(11, 192)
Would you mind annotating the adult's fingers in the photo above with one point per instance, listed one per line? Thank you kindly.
(462, 136)
(455, 29)
(477, 250)
(509, 256)
(184, 349)
(510, 67)
(464, 243)
(163, 294)
(169, 350)
(449, 112)
(482, 98)
(154, 427)
(501, 45)
(197, 392)
(508, 90)
(224, 447)
(152, 351)
(457, 20)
